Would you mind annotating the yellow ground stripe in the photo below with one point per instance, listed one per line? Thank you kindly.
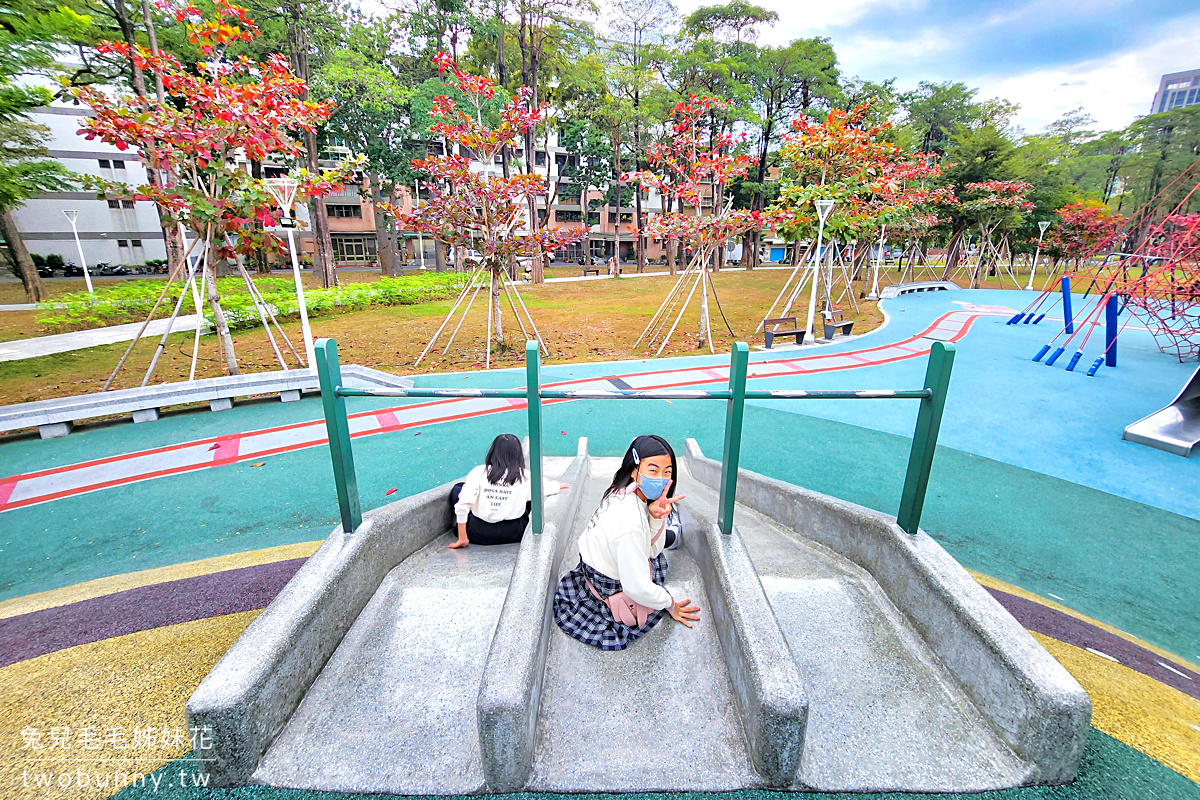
(139, 680)
(1149, 716)
(989, 581)
(133, 580)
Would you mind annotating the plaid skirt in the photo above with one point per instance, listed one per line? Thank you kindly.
(587, 618)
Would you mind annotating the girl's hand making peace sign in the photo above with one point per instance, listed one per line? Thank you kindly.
(662, 506)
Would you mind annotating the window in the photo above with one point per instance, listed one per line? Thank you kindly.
(1191, 97)
(593, 218)
(568, 216)
(354, 249)
(122, 243)
(114, 203)
(118, 164)
(105, 164)
(499, 159)
(539, 158)
(136, 242)
(126, 204)
(344, 211)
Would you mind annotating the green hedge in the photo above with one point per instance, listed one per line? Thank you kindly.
(131, 301)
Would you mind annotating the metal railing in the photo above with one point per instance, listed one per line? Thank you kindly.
(916, 479)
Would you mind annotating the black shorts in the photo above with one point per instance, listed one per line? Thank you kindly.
(508, 531)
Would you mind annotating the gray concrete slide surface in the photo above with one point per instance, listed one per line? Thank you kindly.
(834, 652)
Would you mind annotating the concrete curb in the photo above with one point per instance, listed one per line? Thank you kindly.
(766, 681)
(257, 685)
(1031, 701)
(55, 417)
(510, 691)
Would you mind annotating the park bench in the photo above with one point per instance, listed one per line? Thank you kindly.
(835, 323)
(770, 335)
(591, 270)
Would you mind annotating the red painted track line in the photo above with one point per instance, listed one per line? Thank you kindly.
(233, 448)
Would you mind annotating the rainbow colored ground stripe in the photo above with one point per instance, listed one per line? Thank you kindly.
(130, 649)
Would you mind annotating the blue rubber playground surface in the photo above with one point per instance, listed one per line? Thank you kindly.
(1032, 487)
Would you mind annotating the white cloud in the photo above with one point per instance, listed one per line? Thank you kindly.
(1113, 90)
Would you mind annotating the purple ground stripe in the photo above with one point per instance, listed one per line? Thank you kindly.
(1065, 628)
(186, 600)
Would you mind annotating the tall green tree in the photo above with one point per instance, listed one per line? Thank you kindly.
(30, 33)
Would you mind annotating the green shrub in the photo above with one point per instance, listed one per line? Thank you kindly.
(54, 261)
(131, 301)
(39, 260)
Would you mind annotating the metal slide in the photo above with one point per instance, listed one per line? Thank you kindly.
(1176, 428)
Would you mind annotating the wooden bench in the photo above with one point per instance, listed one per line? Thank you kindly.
(836, 323)
(795, 330)
(592, 270)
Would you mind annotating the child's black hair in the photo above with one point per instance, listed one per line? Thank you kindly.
(643, 447)
(505, 462)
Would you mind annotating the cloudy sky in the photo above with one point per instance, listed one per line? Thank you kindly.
(1048, 56)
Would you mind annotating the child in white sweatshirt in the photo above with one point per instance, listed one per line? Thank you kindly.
(616, 593)
(492, 505)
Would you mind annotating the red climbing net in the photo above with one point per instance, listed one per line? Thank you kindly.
(1159, 279)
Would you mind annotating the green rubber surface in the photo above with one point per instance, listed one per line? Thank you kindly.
(1109, 770)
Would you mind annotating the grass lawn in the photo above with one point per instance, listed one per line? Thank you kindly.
(581, 321)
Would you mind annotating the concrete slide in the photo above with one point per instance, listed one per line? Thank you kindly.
(1176, 428)
(834, 653)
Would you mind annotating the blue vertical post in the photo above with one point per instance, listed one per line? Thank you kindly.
(734, 412)
(1068, 317)
(329, 373)
(533, 388)
(1110, 330)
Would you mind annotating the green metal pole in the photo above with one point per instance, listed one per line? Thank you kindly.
(734, 411)
(929, 420)
(329, 371)
(533, 386)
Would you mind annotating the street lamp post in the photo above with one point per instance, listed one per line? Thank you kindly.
(824, 206)
(284, 191)
(1042, 226)
(71, 215)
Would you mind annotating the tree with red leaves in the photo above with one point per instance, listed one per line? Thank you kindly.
(475, 209)
(694, 160)
(225, 108)
(871, 180)
(1083, 229)
(993, 205)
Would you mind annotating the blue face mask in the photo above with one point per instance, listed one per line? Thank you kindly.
(652, 488)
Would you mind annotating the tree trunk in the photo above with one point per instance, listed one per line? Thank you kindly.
(953, 252)
(23, 264)
(439, 256)
(259, 254)
(383, 241)
(497, 318)
(323, 263)
(214, 303)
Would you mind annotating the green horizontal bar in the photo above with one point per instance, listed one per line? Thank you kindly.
(649, 394)
(838, 394)
(342, 391)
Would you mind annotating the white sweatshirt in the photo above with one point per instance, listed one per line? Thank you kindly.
(617, 543)
(493, 502)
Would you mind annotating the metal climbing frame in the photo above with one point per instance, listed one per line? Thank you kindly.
(916, 479)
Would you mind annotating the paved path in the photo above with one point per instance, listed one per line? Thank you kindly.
(17, 491)
(78, 340)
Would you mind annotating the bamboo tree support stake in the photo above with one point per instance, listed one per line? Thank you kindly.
(162, 343)
(467, 287)
(667, 338)
(278, 327)
(136, 338)
(532, 324)
(466, 310)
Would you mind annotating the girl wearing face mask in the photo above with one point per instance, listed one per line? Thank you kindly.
(616, 593)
